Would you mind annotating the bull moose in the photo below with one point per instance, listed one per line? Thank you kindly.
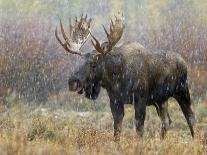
(129, 73)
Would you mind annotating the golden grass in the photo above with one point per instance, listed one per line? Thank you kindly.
(42, 131)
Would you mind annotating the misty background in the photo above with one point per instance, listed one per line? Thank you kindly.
(36, 68)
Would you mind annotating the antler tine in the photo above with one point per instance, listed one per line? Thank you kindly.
(56, 35)
(63, 32)
(107, 34)
(81, 19)
(89, 21)
(97, 45)
(78, 35)
(116, 31)
(114, 35)
(64, 45)
(112, 23)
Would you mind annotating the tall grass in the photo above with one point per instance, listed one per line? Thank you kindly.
(41, 131)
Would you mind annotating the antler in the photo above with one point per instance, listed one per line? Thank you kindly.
(79, 33)
(116, 31)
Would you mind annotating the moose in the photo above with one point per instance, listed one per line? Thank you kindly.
(130, 74)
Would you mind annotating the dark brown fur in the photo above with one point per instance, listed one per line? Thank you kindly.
(132, 74)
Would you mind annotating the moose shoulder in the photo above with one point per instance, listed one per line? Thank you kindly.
(129, 73)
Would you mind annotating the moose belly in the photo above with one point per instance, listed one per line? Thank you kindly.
(161, 93)
(121, 96)
(126, 98)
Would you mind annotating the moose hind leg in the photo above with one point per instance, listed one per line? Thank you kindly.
(168, 115)
(162, 110)
(140, 112)
(183, 98)
(117, 110)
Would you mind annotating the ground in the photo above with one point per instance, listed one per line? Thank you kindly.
(40, 130)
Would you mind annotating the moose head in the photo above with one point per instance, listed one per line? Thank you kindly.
(88, 78)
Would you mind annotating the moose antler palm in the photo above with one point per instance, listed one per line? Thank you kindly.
(116, 31)
(81, 30)
(78, 35)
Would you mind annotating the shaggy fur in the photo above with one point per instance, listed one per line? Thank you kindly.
(132, 74)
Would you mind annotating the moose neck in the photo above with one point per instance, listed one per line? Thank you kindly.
(112, 70)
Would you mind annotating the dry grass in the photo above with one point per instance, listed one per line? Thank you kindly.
(41, 131)
(36, 68)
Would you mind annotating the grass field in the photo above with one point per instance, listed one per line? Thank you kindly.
(40, 130)
(44, 118)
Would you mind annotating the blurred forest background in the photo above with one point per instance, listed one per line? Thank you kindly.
(35, 68)
(38, 115)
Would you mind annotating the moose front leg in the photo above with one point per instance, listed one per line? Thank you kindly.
(140, 112)
(117, 110)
